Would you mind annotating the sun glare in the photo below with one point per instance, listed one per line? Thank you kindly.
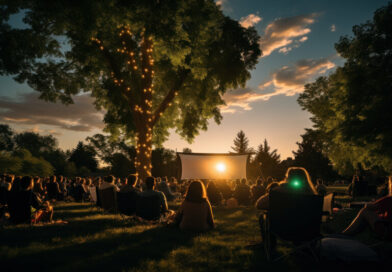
(221, 167)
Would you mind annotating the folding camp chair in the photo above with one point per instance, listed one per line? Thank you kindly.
(293, 217)
(108, 199)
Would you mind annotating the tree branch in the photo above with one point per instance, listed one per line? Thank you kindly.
(169, 97)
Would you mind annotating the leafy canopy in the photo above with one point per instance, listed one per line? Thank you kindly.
(351, 109)
(197, 51)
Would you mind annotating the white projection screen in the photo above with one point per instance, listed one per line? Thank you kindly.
(213, 166)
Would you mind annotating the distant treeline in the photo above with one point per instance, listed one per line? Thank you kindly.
(29, 153)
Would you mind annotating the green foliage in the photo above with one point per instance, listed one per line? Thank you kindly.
(310, 156)
(9, 164)
(121, 165)
(21, 162)
(83, 156)
(6, 138)
(164, 163)
(197, 51)
(241, 144)
(35, 143)
(351, 109)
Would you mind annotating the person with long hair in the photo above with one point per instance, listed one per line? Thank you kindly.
(195, 212)
(297, 181)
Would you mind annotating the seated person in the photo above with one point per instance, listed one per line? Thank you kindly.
(109, 182)
(214, 195)
(21, 201)
(195, 212)
(130, 184)
(242, 193)
(38, 188)
(128, 203)
(225, 189)
(164, 188)
(152, 204)
(320, 187)
(297, 180)
(53, 189)
(257, 190)
(262, 203)
(373, 214)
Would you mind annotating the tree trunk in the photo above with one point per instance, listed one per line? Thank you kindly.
(143, 151)
(144, 116)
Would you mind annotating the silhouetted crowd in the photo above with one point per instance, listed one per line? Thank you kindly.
(29, 199)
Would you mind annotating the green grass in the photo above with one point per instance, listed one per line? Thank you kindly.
(93, 241)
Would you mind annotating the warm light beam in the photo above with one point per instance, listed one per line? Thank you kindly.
(220, 167)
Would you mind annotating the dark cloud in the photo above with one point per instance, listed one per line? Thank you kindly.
(29, 110)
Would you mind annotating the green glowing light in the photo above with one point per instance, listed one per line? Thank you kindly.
(296, 184)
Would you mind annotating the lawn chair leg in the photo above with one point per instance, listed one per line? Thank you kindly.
(267, 238)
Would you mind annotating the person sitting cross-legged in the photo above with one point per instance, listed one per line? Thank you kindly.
(152, 204)
(195, 212)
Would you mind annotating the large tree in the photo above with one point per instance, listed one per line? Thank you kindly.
(351, 109)
(311, 156)
(152, 65)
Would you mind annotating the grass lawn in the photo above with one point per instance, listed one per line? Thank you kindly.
(95, 241)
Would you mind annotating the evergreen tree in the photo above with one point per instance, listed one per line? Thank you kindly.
(241, 144)
(269, 160)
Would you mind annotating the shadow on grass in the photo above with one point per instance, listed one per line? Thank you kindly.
(116, 252)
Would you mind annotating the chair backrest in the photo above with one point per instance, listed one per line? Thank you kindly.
(19, 207)
(127, 202)
(93, 193)
(149, 207)
(295, 217)
(108, 199)
(327, 206)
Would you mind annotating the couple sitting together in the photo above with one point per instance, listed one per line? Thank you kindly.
(195, 212)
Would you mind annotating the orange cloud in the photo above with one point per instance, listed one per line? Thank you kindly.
(290, 80)
(250, 20)
(284, 32)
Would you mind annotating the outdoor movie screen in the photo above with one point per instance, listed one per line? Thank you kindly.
(213, 166)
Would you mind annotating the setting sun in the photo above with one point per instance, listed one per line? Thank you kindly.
(221, 167)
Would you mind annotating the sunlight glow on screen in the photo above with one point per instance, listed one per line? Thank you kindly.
(221, 167)
(213, 166)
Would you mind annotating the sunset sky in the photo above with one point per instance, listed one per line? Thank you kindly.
(297, 40)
